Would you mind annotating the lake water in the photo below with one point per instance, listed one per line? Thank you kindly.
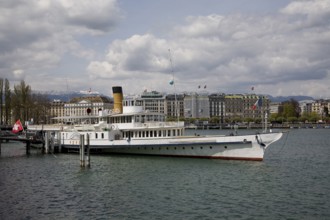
(293, 182)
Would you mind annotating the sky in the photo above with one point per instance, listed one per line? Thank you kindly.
(279, 48)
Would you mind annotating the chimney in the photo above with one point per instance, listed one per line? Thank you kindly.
(118, 99)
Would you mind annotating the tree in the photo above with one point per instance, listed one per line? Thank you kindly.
(39, 107)
(21, 101)
(7, 102)
(289, 109)
(1, 99)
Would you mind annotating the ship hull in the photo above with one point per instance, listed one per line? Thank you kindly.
(245, 147)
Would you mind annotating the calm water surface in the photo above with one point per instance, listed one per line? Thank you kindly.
(293, 182)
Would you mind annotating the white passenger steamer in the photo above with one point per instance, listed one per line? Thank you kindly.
(129, 129)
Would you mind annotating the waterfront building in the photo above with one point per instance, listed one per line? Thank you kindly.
(196, 106)
(217, 106)
(306, 106)
(152, 101)
(273, 107)
(239, 106)
(174, 105)
(88, 105)
(57, 109)
(321, 107)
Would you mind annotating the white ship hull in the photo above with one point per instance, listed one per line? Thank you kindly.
(245, 147)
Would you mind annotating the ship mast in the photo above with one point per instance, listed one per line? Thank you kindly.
(173, 83)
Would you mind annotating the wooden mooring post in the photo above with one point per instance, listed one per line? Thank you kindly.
(84, 156)
(27, 148)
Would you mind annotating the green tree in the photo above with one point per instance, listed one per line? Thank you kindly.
(289, 109)
(314, 117)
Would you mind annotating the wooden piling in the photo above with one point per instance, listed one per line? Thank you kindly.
(82, 150)
(59, 142)
(52, 142)
(28, 143)
(88, 158)
(47, 142)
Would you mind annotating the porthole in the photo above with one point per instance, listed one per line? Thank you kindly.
(201, 147)
(210, 147)
(192, 148)
(225, 147)
(183, 148)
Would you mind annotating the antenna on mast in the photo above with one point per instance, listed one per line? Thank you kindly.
(172, 83)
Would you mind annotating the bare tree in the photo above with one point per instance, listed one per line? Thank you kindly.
(21, 101)
(7, 103)
(1, 100)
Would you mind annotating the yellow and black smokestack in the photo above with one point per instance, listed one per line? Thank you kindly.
(117, 99)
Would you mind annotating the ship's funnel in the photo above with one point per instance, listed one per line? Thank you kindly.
(118, 99)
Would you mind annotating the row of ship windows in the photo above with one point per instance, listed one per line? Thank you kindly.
(144, 134)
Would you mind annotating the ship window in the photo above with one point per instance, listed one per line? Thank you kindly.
(147, 133)
(169, 133)
(102, 135)
(151, 134)
(96, 134)
(159, 133)
(155, 133)
(174, 132)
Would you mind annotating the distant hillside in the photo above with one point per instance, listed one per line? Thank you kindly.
(286, 98)
(66, 96)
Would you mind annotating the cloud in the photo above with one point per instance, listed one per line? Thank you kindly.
(139, 54)
(230, 52)
(35, 34)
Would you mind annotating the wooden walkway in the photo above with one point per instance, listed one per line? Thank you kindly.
(27, 141)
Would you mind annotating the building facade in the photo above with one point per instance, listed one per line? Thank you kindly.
(78, 108)
(57, 110)
(152, 101)
(217, 106)
(196, 106)
(174, 105)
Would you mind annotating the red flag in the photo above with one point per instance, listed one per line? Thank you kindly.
(17, 127)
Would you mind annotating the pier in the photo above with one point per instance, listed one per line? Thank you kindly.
(27, 141)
